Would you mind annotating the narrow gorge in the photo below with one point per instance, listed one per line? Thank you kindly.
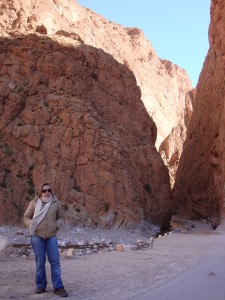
(106, 125)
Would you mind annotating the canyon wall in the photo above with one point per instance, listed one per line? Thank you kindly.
(72, 115)
(200, 188)
(166, 90)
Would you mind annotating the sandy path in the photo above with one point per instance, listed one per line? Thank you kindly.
(115, 275)
(204, 280)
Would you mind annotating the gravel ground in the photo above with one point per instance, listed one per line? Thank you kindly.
(20, 235)
(109, 275)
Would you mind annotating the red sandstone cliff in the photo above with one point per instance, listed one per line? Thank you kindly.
(165, 88)
(71, 115)
(200, 189)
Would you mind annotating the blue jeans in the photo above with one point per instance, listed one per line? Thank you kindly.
(41, 247)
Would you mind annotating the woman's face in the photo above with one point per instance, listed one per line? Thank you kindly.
(46, 191)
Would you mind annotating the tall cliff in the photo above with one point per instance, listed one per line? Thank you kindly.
(200, 188)
(72, 115)
(165, 87)
(166, 90)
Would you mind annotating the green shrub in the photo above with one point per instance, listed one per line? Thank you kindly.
(148, 187)
(106, 206)
(31, 191)
(7, 150)
(77, 188)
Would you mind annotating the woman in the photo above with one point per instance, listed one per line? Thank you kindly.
(44, 217)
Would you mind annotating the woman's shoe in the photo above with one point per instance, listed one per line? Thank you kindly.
(61, 292)
(40, 291)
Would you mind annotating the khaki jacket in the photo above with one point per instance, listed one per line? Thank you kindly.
(51, 223)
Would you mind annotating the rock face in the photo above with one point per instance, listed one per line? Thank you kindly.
(172, 147)
(33, 15)
(200, 188)
(71, 115)
(165, 88)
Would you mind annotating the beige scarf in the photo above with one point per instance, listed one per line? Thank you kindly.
(39, 213)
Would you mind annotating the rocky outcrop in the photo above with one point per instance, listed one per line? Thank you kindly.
(32, 15)
(200, 189)
(72, 115)
(172, 147)
(171, 150)
(165, 87)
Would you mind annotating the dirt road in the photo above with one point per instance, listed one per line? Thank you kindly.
(131, 274)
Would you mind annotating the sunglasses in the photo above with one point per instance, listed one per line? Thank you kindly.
(44, 191)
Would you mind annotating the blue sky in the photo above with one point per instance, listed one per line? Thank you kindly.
(177, 29)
